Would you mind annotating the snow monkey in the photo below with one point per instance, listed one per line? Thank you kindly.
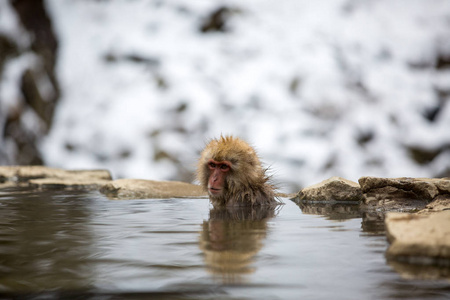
(230, 171)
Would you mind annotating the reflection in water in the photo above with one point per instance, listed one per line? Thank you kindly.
(372, 222)
(427, 272)
(231, 238)
(39, 248)
(414, 289)
(79, 245)
(333, 211)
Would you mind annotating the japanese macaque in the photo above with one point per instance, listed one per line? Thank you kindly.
(230, 171)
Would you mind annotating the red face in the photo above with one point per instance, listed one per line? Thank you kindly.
(218, 172)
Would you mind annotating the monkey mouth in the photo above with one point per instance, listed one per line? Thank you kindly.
(214, 190)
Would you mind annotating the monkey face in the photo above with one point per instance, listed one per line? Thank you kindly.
(218, 171)
(230, 171)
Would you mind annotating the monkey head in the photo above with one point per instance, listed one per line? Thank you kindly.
(231, 172)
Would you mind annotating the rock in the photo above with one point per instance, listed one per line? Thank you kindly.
(6, 185)
(44, 177)
(402, 194)
(140, 189)
(442, 184)
(419, 239)
(440, 203)
(286, 195)
(26, 173)
(68, 183)
(332, 189)
(7, 173)
(52, 178)
(424, 189)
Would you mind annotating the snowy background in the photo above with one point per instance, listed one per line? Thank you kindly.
(320, 88)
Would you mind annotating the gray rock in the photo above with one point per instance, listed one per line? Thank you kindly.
(419, 239)
(26, 173)
(77, 182)
(379, 191)
(440, 203)
(332, 189)
(141, 189)
(44, 177)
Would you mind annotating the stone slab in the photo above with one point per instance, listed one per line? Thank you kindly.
(422, 189)
(332, 189)
(25, 173)
(151, 189)
(419, 239)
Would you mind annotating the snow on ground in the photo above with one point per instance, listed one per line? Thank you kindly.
(320, 88)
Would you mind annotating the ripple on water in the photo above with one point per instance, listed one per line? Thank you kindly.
(60, 244)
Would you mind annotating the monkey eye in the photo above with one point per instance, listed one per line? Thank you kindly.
(212, 165)
(224, 167)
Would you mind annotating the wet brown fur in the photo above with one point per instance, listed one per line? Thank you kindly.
(246, 184)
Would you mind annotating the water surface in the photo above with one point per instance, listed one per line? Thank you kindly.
(75, 244)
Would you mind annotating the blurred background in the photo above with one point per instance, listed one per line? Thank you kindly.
(320, 88)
